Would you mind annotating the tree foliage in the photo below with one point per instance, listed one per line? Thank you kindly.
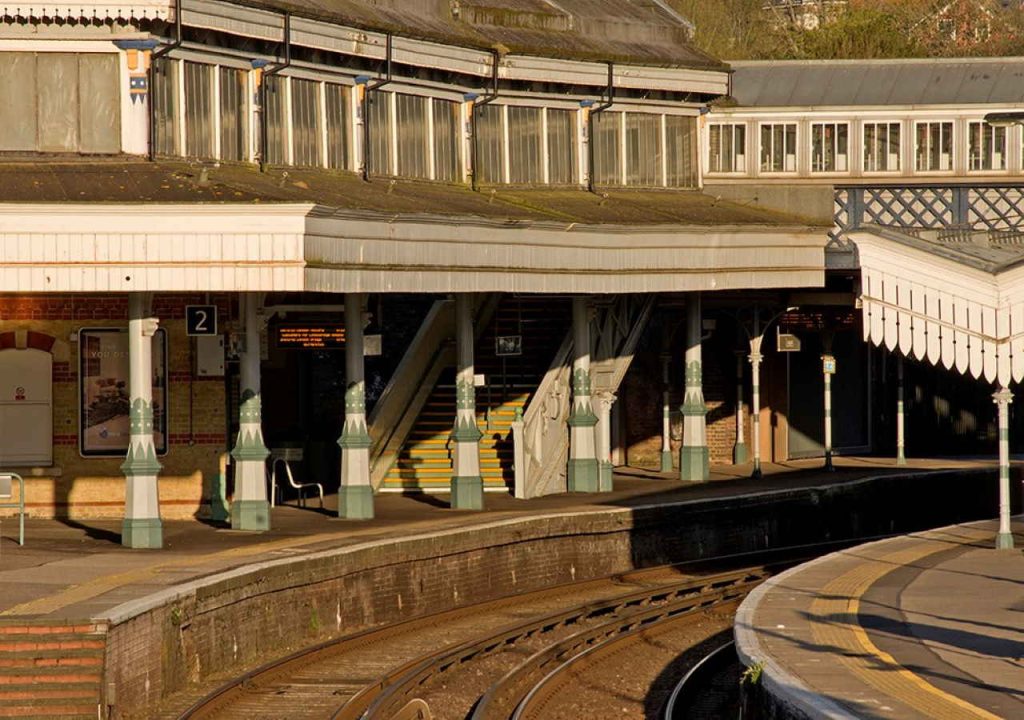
(744, 29)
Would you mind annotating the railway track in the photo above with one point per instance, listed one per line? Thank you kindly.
(446, 665)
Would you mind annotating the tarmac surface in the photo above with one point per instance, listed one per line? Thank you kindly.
(928, 625)
(76, 569)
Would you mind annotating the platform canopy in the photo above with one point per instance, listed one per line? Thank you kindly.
(951, 298)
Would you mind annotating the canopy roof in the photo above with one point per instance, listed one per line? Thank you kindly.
(841, 83)
(954, 299)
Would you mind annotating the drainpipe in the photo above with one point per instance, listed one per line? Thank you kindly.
(367, 87)
(590, 126)
(263, 86)
(479, 102)
(159, 53)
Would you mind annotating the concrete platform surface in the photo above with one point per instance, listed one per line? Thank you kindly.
(928, 625)
(76, 569)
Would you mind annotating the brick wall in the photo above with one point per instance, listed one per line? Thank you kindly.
(79, 486)
(233, 623)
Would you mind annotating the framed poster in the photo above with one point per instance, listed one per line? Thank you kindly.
(103, 428)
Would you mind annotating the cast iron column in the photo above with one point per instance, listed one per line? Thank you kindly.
(582, 474)
(250, 509)
(693, 455)
(355, 495)
(467, 487)
(666, 416)
(739, 451)
(142, 527)
(901, 458)
(1002, 399)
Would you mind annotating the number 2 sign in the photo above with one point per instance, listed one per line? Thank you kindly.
(201, 319)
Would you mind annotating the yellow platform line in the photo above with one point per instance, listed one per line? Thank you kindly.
(835, 624)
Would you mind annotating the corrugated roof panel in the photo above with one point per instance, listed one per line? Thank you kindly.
(879, 82)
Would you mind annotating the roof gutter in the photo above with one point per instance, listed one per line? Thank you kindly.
(151, 76)
(479, 102)
(274, 70)
(610, 92)
(368, 87)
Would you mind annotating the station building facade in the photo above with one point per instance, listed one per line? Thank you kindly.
(510, 200)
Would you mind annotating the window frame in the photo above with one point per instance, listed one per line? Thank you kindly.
(796, 148)
(744, 169)
(952, 146)
(900, 165)
(1007, 134)
(835, 124)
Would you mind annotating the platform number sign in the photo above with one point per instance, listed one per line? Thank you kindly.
(201, 319)
(828, 364)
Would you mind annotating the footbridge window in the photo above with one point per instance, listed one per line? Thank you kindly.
(882, 147)
(60, 102)
(986, 147)
(727, 148)
(562, 135)
(526, 145)
(934, 146)
(778, 147)
(830, 144)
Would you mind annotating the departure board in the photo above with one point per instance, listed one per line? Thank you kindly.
(310, 336)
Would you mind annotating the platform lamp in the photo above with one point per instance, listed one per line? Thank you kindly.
(755, 331)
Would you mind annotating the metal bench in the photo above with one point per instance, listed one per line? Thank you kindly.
(7, 493)
(283, 457)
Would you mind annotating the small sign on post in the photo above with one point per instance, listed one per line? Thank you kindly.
(787, 342)
(508, 345)
(828, 364)
(201, 320)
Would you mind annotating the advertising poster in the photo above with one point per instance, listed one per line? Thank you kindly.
(103, 373)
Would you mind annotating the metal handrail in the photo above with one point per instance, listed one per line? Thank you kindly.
(20, 504)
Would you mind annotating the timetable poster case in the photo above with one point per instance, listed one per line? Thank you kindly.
(104, 394)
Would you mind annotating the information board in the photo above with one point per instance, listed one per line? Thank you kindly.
(310, 336)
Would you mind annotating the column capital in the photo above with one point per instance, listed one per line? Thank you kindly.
(1002, 395)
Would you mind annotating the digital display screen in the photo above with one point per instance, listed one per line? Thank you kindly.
(308, 336)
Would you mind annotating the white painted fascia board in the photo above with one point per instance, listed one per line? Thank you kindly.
(972, 109)
(94, 9)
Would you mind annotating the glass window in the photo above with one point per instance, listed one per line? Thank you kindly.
(681, 151)
(165, 105)
(525, 145)
(446, 141)
(986, 147)
(411, 117)
(643, 149)
(934, 146)
(277, 127)
(378, 119)
(198, 110)
(234, 125)
(305, 122)
(490, 144)
(778, 147)
(562, 165)
(728, 148)
(337, 115)
(882, 147)
(607, 150)
(830, 144)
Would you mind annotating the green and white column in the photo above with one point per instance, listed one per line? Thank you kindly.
(603, 401)
(467, 486)
(1002, 399)
(755, 358)
(901, 458)
(693, 455)
(142, 527)
(582, 474)
(250, 509)
(355, 494)
(666, 416)
(739, 450)
(828, 420)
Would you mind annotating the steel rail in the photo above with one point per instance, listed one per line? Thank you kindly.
(391, 692)
(697, 677)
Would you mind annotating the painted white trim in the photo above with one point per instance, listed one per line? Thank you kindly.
(545, 150)
(431, 159)
(215, 110)
(182, 108)
(289, 129)
(321, 113)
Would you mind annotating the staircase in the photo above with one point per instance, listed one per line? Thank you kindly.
(51, 671)
(424, 462)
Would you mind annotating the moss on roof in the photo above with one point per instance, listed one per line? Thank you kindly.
(131, 180)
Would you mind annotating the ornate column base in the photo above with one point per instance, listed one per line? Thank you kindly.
(740, 454)
(694, 464)
(145, 533)
(583, 475)
(355, 502)
(219, 510)
(666, 461)
(1004, 541)
(467, 493)
(901, 460)
(250, 515)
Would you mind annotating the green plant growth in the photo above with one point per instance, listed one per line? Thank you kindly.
(752, 675)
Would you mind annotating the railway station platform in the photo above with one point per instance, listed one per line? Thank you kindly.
(926, 625)
(149, 626)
